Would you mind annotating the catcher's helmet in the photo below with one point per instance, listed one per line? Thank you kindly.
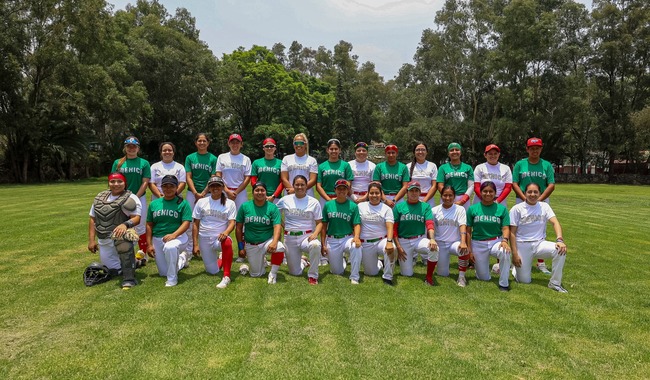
(96, 273)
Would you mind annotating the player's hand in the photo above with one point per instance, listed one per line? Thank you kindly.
(505, 246)
(516, 260)
(462, 248)
(324, 251)
(270, 198)
(312, 237)
(196, 251)
(561, 248)
(119, 230)
(231, 195)
(92, 247)
(357, 242)
(401, 254)
(389, 203)
(221, 237)
(168, 237)
(390, 250)
(272, 247)
(290, 190)
(433, 245)
(242, 253)
(151, 251)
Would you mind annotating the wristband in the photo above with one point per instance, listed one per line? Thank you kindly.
(240, 245)
(559, 240)
(129, 223)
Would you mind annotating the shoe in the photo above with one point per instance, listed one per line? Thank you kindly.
(170, 284)
(557, 288)
(429, 283)
(323, 262)
(354, 282)
(272, 278)
(224, 282)
(380, 265)
(268, 264)
(240, 260)
(504, 288)
(345, 264)
(243, 269)
(313, 281)
(388, 282)
(462, 282)
(496, 269)
(187, 257)
(514, 273)
(542, 268)
(126, 285)
(304, 260)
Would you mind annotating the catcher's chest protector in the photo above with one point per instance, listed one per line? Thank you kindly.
(109, 215)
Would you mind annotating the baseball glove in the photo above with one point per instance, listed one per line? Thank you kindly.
(129, 235)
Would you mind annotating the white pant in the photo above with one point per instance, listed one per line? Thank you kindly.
(256, 255)
(210, 246)
(108, 254)
(170, 264)
(466, 205)
(482, 251)
(445, 250)
(294, 247)
(412, 247)
(241, 198)
(191, 200)
(336, 248)
(369, 258)
(431, 202)
(141, 228)
(541, 249)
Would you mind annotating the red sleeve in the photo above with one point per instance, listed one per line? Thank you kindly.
(504, 194)
(477, 189)
(395, 225)
(278, 191)
(253, 180)
(429, 225)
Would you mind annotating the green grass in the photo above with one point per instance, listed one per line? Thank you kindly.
(55, 327)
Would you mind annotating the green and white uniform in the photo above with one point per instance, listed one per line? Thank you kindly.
(330, 172)
(486, 223)
(459, 177)
(268, 171)
(541, 173)
(135, 169)
(258, 222)
(411, 220)
(391, 177)
(201, 167)
(341, 219)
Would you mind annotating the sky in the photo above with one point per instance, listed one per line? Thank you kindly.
(385, 32)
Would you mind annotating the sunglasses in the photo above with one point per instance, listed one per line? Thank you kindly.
(298, 143)
(269, 146)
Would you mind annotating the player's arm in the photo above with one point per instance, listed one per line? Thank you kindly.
(92, 244)
(317, 230)
(559, 241)
(468, 230)
(400, 193)
(321, 191)
(520, 194)
(242, 186)
(313, 178)
(323, 238)
(431, 234)
(277, 231)
(154, 190)
(239, 235)
(149, 234)
(463, 238)
(505, 238)
(195, 237)
(357, 235)
(185, 225)
(516, 259)
(432, 191)
(547, 193)
(390, 247)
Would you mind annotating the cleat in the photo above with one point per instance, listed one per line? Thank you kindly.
(272, 279)
(542, 268)
(496, 269)
(224, 282)
(323, 262)
(354, 282)
(388, 282)
(240, 260)
(429, 283)
(514, 273)
(462, 282)
(313, 281)
(557, 288)
(170, 284)
(504, 288)
(243, 269)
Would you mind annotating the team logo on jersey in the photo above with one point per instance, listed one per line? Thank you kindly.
(233, 165)
(371, 217)
(166, 212)
(220, 215)
(339, 215)
(332, 172)
(411, 217)
(257, 219)
(396, 177)
(268, 169)
(447, 222)
(130, 170)
(487, 219)
(299, 213)
(455, 175)
(533, 174)
(293, 167)
(200, 166)
(529, 219)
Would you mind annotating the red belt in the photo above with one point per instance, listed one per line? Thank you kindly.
(360, 192)
(230, 188)
(494, 238)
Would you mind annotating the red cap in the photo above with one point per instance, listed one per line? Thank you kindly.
(492, 146)
(534, 141)
(390, 147)
(342, 182)
(268, 140)
(235, 136)
(413, 185)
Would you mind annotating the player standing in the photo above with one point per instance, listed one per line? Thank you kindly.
(267, 169)
(341, 232)
(493, 170)
(166, 166)
(300, 163)
(235, 169)
(424, 172)
(458, 175)
(393, 176)
(330, 171)
(362, 169)
(451, 235)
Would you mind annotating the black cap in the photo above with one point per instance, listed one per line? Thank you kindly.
(169, 179)
(259, 183)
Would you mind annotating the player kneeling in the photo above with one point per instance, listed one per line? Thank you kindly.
(451, 234)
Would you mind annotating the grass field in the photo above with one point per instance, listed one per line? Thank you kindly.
(52, 326)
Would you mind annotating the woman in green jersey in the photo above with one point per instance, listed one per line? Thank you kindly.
(331, 171)
(458, 175)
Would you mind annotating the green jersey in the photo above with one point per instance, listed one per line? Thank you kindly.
(487, 221)
(167, 216)
(540, 173)
(411, 218)
(341, 217)
(267, 171)
(391, 176)
(134, 169)
(258, 221)
(456, 176)
(201, 167)
(330, 172)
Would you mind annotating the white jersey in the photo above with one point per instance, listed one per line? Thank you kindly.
(424, 173)
(531, 220)
(213, 215)
(233, 168)
(362, 175)
(447, 222)
(300, 214)
(111, 198)
(374, 219)
(161, 169)
(295, 165)
(500, 174)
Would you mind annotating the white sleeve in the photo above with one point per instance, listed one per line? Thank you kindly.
(514, 216)
(284, 167)
(478, 173)
(461, 216)
(547, 211)
(182, 175)
(219, 166)
(232, 209)
(507, 177)
(247, 166)
(196, 213)
(434, 172)
(91, 213)
(388, 213)
(317, 210)
(313, 165)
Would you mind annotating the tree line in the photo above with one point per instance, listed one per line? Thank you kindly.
(77, 77)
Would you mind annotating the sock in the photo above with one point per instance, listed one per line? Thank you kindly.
(226, 256)
(463, 261)
(431, 266)
(540, 261)
(142, 243)
(276, 261)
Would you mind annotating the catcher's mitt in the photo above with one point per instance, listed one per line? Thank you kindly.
(129, 235)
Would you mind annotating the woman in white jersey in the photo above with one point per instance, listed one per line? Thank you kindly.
(165, 166)
(493, 170)
(235, 169)
(528, 238)
(424, 172)
(299, 163)
(377, 234)
(213, 222)
(451, 234)
(362, 170)
(302, 226)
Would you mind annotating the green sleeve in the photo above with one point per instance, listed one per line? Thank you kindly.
(188, 164)
(440, 178)
(376, 175)
(470, 173)
(550, 174)
(254, 169)
(324, 212)
(150, 213)
(349, 175)
(505, 221)
(213, 164)
(515, 172)
(319, 178)
(114, 168)
(240, 215)
(146, 168)
(406, 176)
(186, 212)
(428, 214)
(275, 214)
(356, 218)
(470, 217)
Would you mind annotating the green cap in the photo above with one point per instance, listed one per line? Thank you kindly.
(453, 145)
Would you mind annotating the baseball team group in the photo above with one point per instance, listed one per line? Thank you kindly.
(372, 218)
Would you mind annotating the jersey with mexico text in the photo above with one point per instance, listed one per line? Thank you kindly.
(268, 172)
(330, 172)
(540, 173)
(234, 168)
(531, 220)
(487, 221)
(295, 165)
(201, 166)
(500, 174)
(341, 217)
(362, 172)
(168, 215)
(134, 169)
(374, 219)
(424, 173)
(300, 214)
(161, 169)
(258, 221)
(448, 221)
(411, 218)
(213, 215)
(391, 176)
(456, 176)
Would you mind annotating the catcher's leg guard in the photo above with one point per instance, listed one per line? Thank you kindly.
(127, 260)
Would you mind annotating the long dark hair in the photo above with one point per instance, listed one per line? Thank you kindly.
(414, 161)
